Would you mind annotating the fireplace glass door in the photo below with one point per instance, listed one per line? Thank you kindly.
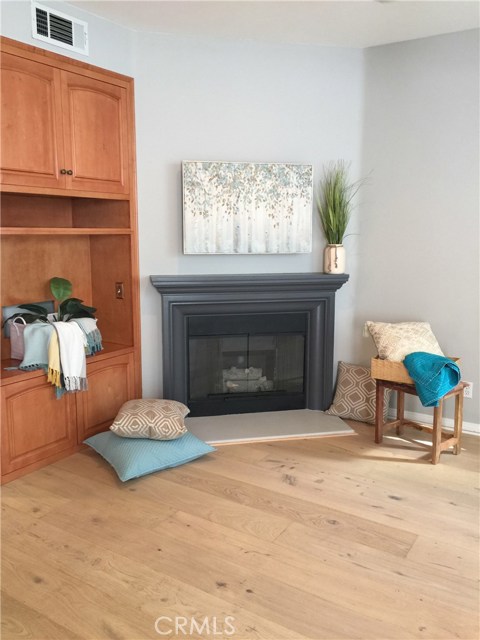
(252, 370)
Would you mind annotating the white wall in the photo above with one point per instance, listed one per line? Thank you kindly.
(419, 241)
(212, 100)
(110, 46)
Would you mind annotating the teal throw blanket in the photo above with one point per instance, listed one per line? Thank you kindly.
(434, 376)
(36, 338)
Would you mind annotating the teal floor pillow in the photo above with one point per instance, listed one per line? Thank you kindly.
(135, 457)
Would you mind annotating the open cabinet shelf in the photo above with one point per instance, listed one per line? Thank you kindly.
(10, 376)
(26, 213)
(48, 231)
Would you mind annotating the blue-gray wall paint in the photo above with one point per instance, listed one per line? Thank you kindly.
(204, 100)
(407, 113)
(419, 226)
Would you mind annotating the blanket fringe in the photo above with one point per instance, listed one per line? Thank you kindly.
(53, 376)
(75, 383)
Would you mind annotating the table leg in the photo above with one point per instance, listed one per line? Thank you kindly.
(437, 432)
(379, 402)
(457, 430)
(400, 412)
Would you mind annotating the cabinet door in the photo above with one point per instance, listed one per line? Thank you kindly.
(110, 384)
(35, 425)
(96, 134)
(31, 125)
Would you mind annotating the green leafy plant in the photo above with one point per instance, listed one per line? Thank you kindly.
(334, 200)
(69, 308)
(61, 288)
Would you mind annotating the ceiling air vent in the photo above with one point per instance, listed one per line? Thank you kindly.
(59, 29)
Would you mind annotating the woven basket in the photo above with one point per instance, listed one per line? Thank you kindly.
(393, 371)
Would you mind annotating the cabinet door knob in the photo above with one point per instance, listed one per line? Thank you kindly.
(69, 172)
(63, 171)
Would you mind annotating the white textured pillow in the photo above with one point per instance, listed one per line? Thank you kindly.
(395, 341)
(151, 418)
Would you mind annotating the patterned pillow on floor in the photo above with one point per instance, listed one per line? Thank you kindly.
(151, 418)
(355, 394)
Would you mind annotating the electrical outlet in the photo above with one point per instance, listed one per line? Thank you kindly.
(119, 290)
(468, 391)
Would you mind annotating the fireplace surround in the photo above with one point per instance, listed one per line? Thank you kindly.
(251, 326)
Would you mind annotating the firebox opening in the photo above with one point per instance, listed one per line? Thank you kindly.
(246, 362)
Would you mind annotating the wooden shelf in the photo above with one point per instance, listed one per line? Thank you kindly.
(69, 193)
(67, 231)
(110, 349)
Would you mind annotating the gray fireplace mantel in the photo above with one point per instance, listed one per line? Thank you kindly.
(265, 282)
(184, 296)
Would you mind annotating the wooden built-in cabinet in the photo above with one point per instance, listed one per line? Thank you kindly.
(62, 130)
(35, 425)
(38, 428)
(68, 209)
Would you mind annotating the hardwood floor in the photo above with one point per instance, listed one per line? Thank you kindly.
(321, 539)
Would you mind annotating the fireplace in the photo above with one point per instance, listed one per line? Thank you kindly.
(246, 362)
(247, 343)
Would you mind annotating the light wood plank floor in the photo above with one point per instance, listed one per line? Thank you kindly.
(321, 539)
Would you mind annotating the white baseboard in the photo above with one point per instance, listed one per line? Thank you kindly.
(468, 427)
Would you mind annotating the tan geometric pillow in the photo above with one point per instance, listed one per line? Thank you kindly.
(151, 418)
(395, 341)
(355, 394)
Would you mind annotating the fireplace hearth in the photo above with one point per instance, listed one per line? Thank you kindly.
(248, 343)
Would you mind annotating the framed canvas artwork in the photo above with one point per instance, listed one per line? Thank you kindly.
(246, 207)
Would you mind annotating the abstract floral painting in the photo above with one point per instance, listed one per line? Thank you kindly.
(244, 207)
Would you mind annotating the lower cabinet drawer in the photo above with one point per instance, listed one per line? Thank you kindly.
(35, 425)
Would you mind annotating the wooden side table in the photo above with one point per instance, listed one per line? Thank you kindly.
(438, 445)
